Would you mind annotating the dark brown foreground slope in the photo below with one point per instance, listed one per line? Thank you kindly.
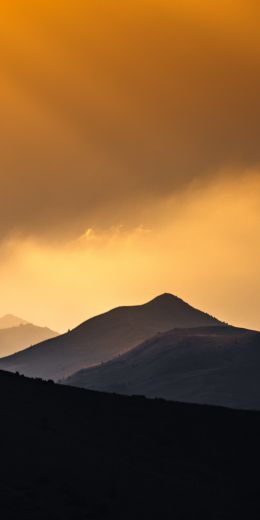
(73, 454)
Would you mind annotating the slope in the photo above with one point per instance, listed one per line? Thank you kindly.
(9, 320)
(106, 336)
(214, 365)
(73, 454)
(18, 338)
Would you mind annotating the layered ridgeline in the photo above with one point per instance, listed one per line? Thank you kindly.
(213, 365)
(106, 336)
(9, 320)
(72, 454)
(17, 334)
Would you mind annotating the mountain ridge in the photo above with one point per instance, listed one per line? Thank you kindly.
(10, 320)
(105, 336)
(110, 456)
(16, 339)
(210, 365)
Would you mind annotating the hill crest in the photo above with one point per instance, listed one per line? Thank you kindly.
(104, 337)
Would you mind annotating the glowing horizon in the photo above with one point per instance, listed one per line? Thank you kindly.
(130, 162)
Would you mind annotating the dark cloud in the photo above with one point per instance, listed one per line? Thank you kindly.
(106, 108)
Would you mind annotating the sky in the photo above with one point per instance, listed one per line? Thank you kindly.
(129, 157)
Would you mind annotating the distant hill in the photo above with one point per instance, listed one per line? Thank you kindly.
(17, 338)
(213, 365)
(72, 454)
(8, 321)
(106, 336)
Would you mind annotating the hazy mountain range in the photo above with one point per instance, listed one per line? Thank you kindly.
(164, 348)
(101, 338)
(9, 320)
(17, 334)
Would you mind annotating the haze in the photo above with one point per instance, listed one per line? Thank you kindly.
(129, 157)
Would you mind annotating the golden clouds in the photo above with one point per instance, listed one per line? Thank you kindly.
(112, 104)
(202, 246)
(111, 112)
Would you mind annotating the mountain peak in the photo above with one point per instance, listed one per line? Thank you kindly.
(166, 297)
(9, 320)
(108, 335)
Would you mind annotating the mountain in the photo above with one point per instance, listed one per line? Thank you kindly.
(72, 454)
(210, 365)
(104, 337)
(15, 339)
(8, 321)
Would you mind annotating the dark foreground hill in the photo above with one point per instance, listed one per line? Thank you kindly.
(22, 336)
(214, 365)
(103, 337)
(70, 454)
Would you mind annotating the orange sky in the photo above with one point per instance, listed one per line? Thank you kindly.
(129, 156)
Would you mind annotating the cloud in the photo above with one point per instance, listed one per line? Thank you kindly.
(108, 109)
(201, 246)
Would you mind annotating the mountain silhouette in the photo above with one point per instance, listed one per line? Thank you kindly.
(73, 454)
(210, 365)
(9, 320)
(103, 337)
(20, 337)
